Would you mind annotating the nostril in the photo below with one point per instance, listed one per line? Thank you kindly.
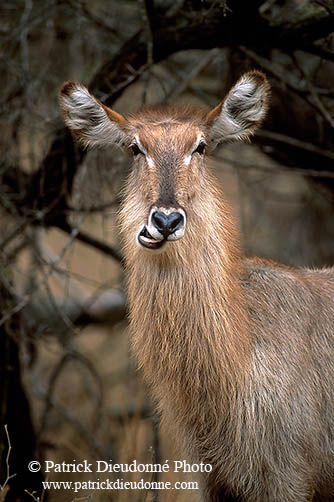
(167, 224)
(160, 221)
(175, 220)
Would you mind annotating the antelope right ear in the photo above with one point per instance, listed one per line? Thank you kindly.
(90, 121)
(242, 110)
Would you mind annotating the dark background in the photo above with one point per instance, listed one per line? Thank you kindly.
(68, 386)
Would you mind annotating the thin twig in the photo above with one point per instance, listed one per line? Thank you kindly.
(317, 102)
(177, 5)
(266, 6)
(94, 209)
(201, 65)
(15, 233)
(98, 21)
(49, 401)
(322, 110)
(303, 92)
(4, 486)
(319, 51)
(326, 5)
(306, 172)
(90, 436)
(32, 495)
(23, 301)
(149, 13)
(95, 243)
(303, 145)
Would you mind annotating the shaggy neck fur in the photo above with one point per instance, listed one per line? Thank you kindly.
(187, 318)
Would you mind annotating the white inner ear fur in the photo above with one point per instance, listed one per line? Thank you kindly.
(242, 110)
(88, 119)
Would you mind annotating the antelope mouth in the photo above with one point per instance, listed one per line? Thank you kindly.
(146, 240)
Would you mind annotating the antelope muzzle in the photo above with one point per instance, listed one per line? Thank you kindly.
(164, 225)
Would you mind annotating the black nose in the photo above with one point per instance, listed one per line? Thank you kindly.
(167, 224)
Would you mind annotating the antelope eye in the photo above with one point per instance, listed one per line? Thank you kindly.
(135, 149)
(201, 148)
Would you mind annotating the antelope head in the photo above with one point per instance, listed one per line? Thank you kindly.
(168, 145)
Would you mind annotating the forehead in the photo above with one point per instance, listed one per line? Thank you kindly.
(179, 128)
(178, 136)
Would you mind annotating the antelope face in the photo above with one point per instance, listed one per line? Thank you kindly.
(168, 158)
(168, 146)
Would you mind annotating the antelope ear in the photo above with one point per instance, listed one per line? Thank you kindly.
(90, 121)
(242, 110)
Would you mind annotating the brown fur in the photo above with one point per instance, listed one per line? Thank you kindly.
(238, 352)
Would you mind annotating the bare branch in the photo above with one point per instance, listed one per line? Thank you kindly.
(303, 145)
(319, 51)
(305, 93)
(259, 167)
(92, 241)
(200, 66)
(4, 487)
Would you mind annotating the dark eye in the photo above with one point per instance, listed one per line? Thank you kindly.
(135, 149)
(201, 148)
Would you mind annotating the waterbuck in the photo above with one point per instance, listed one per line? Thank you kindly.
(238, 352)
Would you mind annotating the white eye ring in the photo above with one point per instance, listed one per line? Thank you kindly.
(136, 150)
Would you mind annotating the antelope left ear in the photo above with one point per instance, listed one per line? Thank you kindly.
(242, 110)
(90, 121)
